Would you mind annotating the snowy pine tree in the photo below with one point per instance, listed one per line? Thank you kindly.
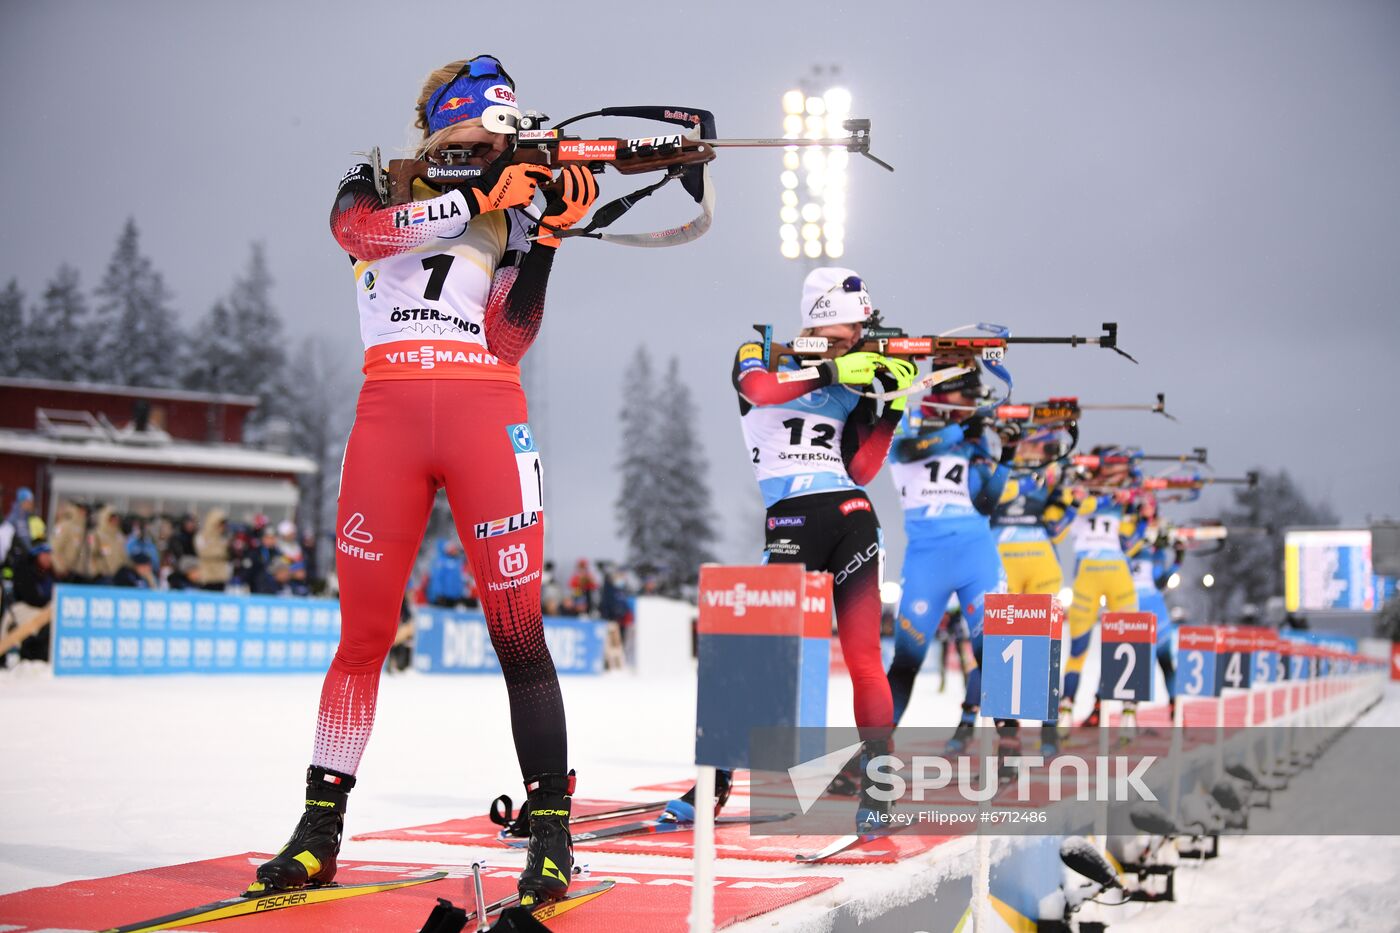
(58, 339)
(639, 507)
(320, 414)
(687, 522)
(139, 339)
(256, 331)
(12, 325)
(211, 361)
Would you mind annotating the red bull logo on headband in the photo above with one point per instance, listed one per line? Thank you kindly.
(481, 85)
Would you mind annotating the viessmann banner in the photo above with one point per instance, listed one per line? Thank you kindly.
(116, 630)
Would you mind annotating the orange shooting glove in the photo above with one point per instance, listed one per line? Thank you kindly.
(569, 200)
(505, 184)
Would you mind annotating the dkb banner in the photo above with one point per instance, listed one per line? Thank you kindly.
(118, 630)
(448, 641)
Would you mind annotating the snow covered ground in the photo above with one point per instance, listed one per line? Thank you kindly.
(106, 775)
(1304, 884)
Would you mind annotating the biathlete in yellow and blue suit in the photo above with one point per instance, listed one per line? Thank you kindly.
(1101, 518)
(1026, 523)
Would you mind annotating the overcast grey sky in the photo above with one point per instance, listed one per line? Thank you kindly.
(1221, 178)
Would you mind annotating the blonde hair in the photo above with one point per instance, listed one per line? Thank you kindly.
(435, 79)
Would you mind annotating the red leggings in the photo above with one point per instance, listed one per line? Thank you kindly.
(412, 437)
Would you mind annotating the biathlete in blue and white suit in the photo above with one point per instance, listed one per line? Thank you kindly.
(950, 470)
(814, 442)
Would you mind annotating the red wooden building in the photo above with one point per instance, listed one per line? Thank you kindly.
(150, 451)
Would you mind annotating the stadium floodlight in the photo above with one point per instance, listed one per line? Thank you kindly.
(1208, 581)
(814, 180)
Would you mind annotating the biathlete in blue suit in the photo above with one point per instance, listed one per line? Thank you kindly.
(950, 470)
(1153, 562)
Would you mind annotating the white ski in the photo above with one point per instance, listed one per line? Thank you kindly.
(835, 847)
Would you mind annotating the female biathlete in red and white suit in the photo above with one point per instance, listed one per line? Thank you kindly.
(451, 294)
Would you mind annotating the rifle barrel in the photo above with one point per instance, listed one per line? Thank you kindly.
(1072, 341)
(1196, 456)
(858, 143)
(1151, 408)
(770, 142)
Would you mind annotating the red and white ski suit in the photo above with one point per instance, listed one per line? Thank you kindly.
(448, 306)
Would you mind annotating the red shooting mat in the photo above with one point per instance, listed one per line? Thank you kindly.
(640, 903)
(731, 841)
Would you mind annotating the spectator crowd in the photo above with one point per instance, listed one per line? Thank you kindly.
(100, 545)
(95, 543)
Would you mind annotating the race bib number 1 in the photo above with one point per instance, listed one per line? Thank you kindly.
(527, 463)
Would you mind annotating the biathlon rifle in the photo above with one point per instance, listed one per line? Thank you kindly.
(1188, 488)
(683, 156)
(1165, 488)
(1197, 538)
(1094, 461)
(952, 355)
(1062, 414)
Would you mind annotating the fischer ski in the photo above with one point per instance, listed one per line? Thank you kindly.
(275, 900)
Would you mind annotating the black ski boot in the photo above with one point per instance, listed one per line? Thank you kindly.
(872, 814)
(549, 860)
(847, 780)
(1008, 746)
(309, 856)
(682, 809)
(964, 732)
(1095, 717)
